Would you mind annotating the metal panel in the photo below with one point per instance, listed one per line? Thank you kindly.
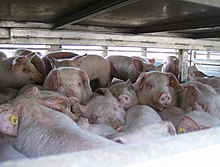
(46, 36)
(199, 148)
(94, 10)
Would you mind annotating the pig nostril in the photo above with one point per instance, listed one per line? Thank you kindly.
(126, 98)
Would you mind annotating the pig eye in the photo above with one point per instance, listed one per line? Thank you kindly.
(79, 84)
(149, 85)
(26, 70)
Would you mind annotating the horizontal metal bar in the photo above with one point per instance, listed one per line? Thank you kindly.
(211, 34)
(202, 23)
(213, 3)
(59, 37)
(13, 24)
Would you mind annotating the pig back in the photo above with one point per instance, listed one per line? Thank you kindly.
(45, 131)
(56, 55)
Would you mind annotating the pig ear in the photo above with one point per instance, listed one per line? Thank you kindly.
(196, 106)
(174, 83)
(9, 119)
(104, 91)
(138, 64)
(86, 80)
(139, 82)
(30, 56)
(53, 62)
(128, 82)
(32, 91)
(19, 60)
(78, 60)
(52, 81)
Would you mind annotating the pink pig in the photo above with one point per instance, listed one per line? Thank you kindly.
(157, 89)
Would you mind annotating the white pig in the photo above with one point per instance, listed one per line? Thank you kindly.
(104, 109)
(142, 124)
(124, 67)
(157, 89)
(125, 93)
(95, 66)
(36, 124)
(16, 72)
(69, 81)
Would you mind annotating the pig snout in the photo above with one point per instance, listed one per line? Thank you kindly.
(124, 99)
(165, 99)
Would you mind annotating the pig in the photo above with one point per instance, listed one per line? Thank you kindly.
(196, 120)
(152, 61)
(69, 81)
(203, 94)
(7, 95)
(172, 114)
(36, 60)
(26, 87)
(95, 66)
(104, 109)
(3, 55)
(125, 93)
(99, 129)
(213, 82)
(16, 72)
(142, 124)
(36, 125)
(124, 67)
(171, 64)
(56, 55)
(193, 72)
(8, 153)
(157, 89)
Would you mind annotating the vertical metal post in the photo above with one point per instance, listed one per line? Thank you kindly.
(177, 53)
(190, 58)
(183, 57)
(104, 51)
(208, 55)
(144, 51)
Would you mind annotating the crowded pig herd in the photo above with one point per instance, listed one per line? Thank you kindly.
(63, 102)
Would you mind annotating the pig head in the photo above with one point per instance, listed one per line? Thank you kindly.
(125, 93)
(157, 89)
(19, 71)
(171, 65)
(104, 109)
(200, 93)
(69, 81)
